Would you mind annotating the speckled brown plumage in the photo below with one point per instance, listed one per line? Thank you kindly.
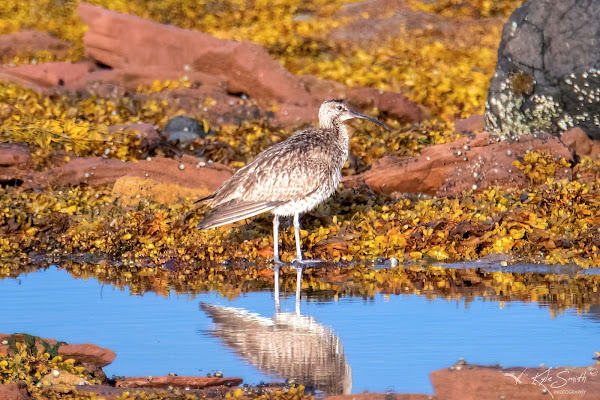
(290, 177)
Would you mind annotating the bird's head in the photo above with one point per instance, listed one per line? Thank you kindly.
(337, 109)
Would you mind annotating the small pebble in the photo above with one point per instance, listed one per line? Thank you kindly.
(181, 167)
(55, 373)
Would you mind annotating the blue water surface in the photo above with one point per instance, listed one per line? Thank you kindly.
(390, 342)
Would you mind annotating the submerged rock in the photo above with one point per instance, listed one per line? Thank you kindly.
(547, 75)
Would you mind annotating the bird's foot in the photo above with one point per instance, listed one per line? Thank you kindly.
(277, 261)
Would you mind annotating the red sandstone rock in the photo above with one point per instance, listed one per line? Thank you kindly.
(395, 104)
(176, 381)
(241, 67)
(220, 69)
(26, 41)
(96, 171)
(15, 161)
(441, 170)
(392, 19)
(87, 353)
(580, 143)
(14, 391)
(472, 124)
(485, 383)
(47, 75)
(126, 41)
(381, 396)
(146, 131)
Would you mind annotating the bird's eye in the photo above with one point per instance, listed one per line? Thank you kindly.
(339, 108)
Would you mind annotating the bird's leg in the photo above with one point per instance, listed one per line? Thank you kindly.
(276, 258)
(298, 288)
(299, 260)
(276, 289)
(297, 235)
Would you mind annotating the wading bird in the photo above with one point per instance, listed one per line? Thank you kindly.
(288, 178)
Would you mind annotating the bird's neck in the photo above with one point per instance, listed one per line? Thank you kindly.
(338, 128)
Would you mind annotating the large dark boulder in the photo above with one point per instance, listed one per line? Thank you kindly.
(547, 76)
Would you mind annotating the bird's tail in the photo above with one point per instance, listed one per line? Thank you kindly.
(236, 210)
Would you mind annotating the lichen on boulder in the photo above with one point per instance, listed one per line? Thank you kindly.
(547, 73)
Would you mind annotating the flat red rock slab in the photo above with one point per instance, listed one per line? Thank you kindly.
(381, 396)
(472, 162)
(487, 383)
(191, 382)
(96, 171)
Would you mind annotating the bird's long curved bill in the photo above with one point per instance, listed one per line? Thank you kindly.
(355, 114)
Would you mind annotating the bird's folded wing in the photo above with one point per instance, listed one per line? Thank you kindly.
(236, 210)
(278, 174)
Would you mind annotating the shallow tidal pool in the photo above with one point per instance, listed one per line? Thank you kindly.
(350, 344)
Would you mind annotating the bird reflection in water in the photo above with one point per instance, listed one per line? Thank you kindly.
(288, 345)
